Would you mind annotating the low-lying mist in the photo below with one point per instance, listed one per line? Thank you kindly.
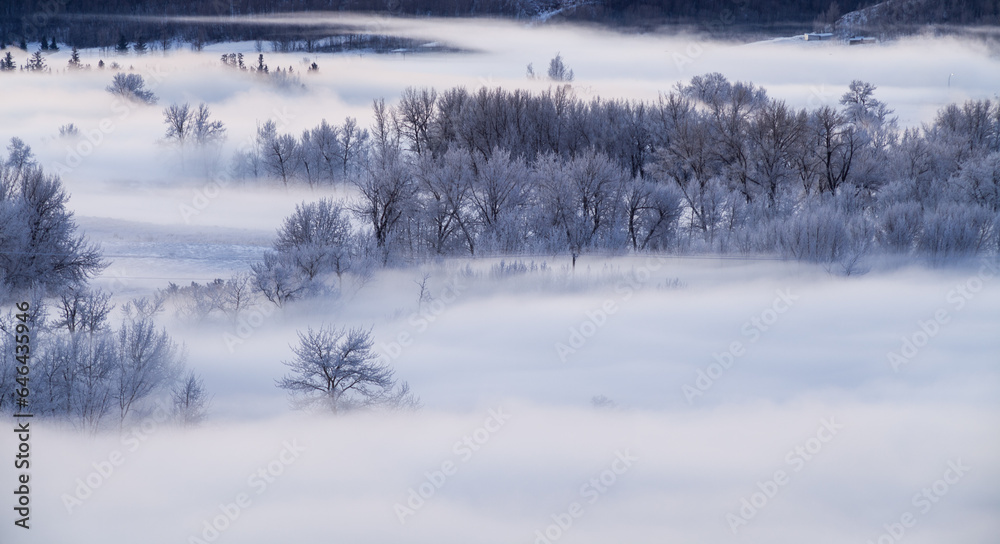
(624, 399)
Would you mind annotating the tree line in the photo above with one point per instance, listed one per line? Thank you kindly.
(85, 368)
(711, 167)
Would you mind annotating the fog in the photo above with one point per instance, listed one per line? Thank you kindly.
(512, 363)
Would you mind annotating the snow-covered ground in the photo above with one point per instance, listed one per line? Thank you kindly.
(756, 401)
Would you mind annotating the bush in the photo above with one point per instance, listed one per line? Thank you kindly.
(131, 87)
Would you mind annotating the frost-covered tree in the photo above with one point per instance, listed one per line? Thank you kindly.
(579, 201)
(39, 246)
(387, 187)
(353, 141)
(190, 399)
(205, 130)
(713, 165)
(82, 309)
(415, 114)
(96, 373)
(279, 153)
(978, 181)
(558, 70)
(443, 194)
(498, 198)
(900, 226)
(652, 211)
(336, 369)
(277, 279)
(131, 87)
(146, 359)
(955, 231)
(321, 153)
(317, 239)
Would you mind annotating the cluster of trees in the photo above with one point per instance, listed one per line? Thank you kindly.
(713, 166)
(324, 154)
(218, 299)
(186, 124)
(34, 63)
(283, 77)
(83, 369)
(94, 375)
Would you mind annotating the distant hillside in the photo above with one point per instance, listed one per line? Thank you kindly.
(895, 17)
(15, 16)
(60, 19)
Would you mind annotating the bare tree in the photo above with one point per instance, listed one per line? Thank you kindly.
(281, 156)
(206, 131)
(352, 139)
(416, 110)
(337, 370)
(146, 359)
(190, 400)
(277, 279)
(178, 119)
(81, 309)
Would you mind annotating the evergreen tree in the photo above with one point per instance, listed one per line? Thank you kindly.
(122, 46)
(74, 59)
(7, 63)
(53, 46)
(36, 62)
(140, 46)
